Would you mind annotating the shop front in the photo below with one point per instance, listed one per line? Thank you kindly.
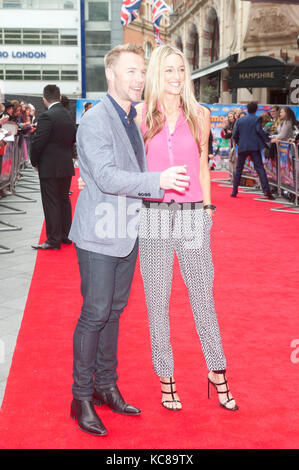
(269, 80)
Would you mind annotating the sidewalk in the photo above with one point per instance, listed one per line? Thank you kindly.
(16, 268)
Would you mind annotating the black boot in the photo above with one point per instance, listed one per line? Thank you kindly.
(269, 195)
(83, 411)
(111, 396)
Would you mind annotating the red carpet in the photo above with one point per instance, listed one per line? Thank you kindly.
(256, 260)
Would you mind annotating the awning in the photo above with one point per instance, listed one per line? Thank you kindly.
(258, 72)
(214, 67)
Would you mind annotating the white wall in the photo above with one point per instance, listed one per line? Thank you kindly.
(58, 55)
(39, 19)
(19, 87)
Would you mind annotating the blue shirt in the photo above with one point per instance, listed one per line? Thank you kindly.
(131, 128)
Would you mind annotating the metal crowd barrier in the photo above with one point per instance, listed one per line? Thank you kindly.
(287, 175)
(282, 169)
(13, 175)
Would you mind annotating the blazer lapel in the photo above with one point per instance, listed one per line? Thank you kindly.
(144, 161)
(119, 128)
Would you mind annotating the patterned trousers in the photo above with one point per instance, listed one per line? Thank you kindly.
(187, 232)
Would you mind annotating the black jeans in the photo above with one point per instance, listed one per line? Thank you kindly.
(105, 287)
(259, 168)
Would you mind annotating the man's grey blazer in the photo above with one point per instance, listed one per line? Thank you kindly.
(106, 218)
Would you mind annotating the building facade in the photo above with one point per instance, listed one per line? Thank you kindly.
(57, 41)
(238, 50)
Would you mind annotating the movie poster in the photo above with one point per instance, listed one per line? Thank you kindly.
(287, 178)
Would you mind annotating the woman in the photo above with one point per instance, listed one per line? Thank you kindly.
(287, 125)
(266, 122)
(176, 132)
(227, 130)
(25, 124)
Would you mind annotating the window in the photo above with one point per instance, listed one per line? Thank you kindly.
(68, 37)
(32, 73)
(148, 50)
(13, 73)
(195, 61)
(95, 78)
(215, 41)
(68, 5)
(68, 72)
(97, 43)
(12, 4)
(50, 37)
(31, 36)
(63, 37)
(98, 11)
(12, 36)
(48, 73)
(40, 4)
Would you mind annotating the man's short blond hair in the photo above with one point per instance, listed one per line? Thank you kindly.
(112, 56)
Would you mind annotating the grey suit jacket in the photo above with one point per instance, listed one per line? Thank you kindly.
(106, 218)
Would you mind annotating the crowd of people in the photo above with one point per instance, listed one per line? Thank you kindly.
(279, 123)
(22, 116)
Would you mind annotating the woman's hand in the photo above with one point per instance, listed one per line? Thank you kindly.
(4, 119)
(210, 212)
(175, 178)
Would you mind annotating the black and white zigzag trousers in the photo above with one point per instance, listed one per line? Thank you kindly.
(161, 233)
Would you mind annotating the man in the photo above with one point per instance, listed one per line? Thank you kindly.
(112, 163)
(274, 113)
(250, 138)
(52, 151)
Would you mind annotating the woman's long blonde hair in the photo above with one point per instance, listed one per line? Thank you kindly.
(155, 119)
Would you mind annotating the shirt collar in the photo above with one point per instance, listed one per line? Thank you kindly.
(126, 118)
(52, 104)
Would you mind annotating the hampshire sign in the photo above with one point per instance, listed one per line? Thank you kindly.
(258, 72)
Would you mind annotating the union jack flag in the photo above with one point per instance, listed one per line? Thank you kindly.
(158, 9)
(129, 11)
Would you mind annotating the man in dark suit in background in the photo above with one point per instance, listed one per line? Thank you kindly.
(251, 139)
(52, 152)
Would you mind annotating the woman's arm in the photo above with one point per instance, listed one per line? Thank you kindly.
(285, 131)
(138, 118)
(204, 175)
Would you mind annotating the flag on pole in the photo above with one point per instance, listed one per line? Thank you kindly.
(129, 11)
(158, 9)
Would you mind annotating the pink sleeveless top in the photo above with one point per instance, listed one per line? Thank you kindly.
(176, 149)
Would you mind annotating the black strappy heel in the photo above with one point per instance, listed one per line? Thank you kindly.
(172, 392)
(223, 405)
